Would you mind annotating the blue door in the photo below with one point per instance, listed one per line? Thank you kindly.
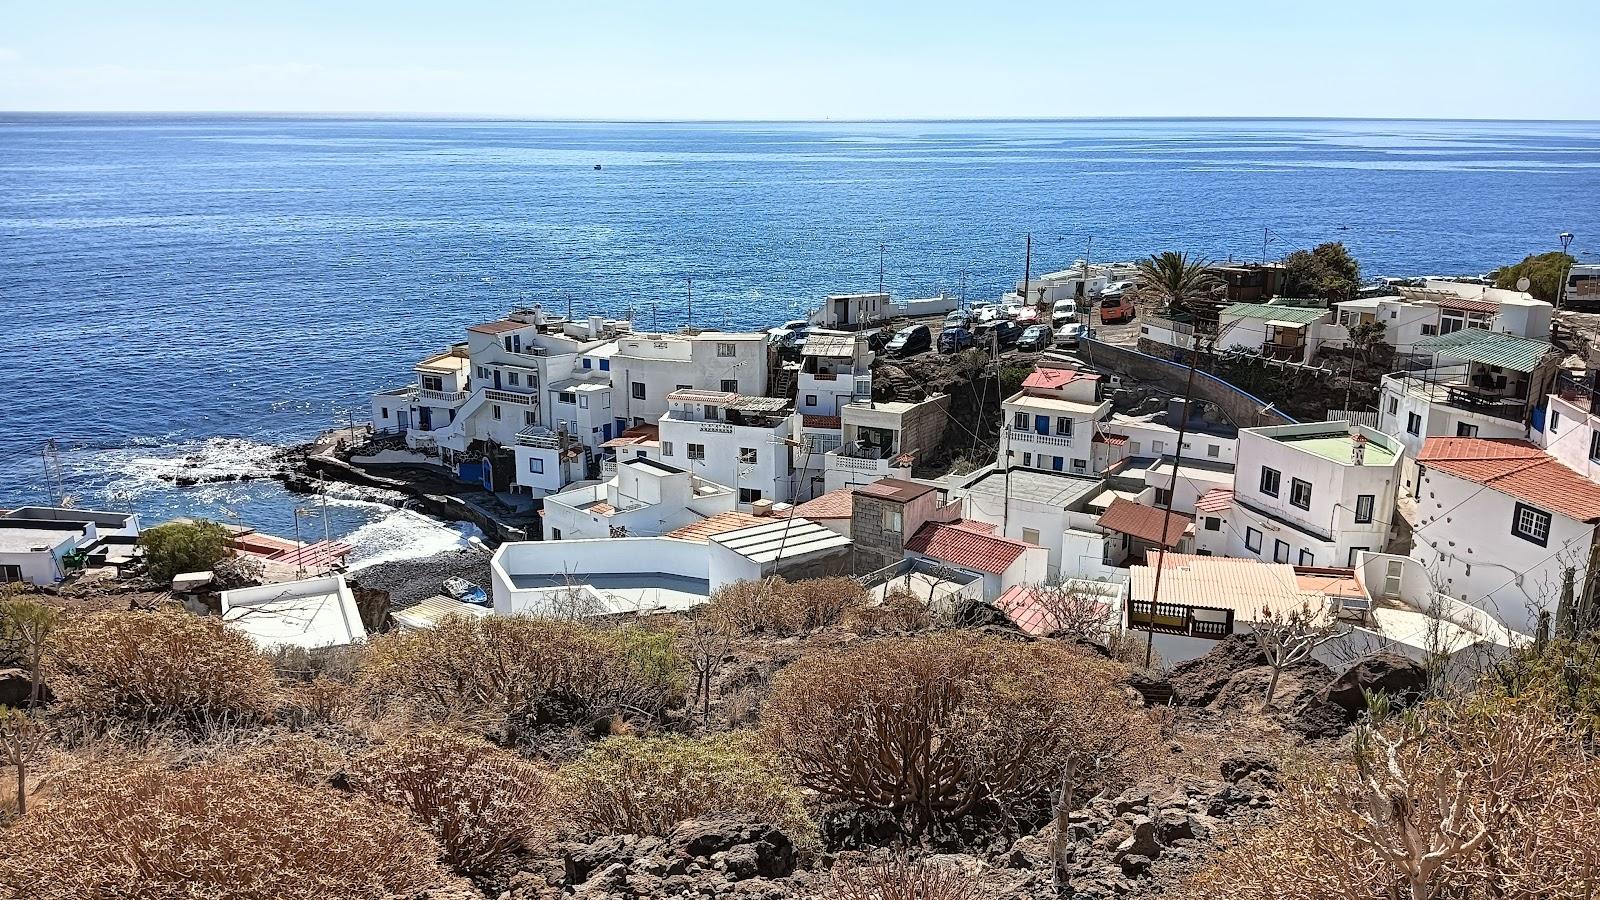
(497, 379)
(1057, 463)
(425, 418)
(605, 432)
(1041, 424)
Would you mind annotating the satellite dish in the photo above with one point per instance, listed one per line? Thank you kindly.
(1523, 284)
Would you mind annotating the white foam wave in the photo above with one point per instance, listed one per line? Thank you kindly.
(406, 534)
(135, 470)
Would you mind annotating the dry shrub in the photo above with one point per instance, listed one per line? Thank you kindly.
(207, 831)
(777, 606)
(900, 611)
(138, 669)
(300, 757)
(938, 727)
(480, 802)
(628, 785)
(514, 676)
(898, 877)
(1488, 798)
(320, 701)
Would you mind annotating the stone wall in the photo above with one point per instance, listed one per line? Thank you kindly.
(1243, 409)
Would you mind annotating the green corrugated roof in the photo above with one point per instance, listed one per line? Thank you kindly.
(1301, 315)
(1489, 348)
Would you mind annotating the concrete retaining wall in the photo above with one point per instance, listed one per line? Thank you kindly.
(1242, 408)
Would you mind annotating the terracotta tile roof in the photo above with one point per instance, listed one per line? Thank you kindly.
(1056, 379)
(1144, 522)
(1465, 305)
(1214, 501)
(831, 423)
(1110, 440)
(601, 508)
(721, 523)
(837, 504)
(1021, 603)
(1518, 469)
(895, 489)
(965, 548)
(638, 434)
(974, 525)
(1245, 586)
(499, 327)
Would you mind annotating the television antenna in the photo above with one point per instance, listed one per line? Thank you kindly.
(54, 482)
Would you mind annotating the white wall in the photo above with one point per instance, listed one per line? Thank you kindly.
(1464, 540)
(1568, 434)
(615, 556)
(722, 441)
(663, 362)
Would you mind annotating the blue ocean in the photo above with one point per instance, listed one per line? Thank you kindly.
(200, 289)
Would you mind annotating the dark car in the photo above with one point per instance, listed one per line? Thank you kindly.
(910, 341)
(957, 319)
(954, 338)
(1035, 338)
(879, 339)
(1006, 334)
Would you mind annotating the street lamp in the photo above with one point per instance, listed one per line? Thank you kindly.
(1565, 238)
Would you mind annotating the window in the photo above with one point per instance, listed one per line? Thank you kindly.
(710, 412)
(1158, 447)
(386, 412)
(1355, 554)
(513, 378)
(535, 465)
(811, 399)
(529, 417)
(1133, 448)
(1270, 480)
(507, 340)
(555, 534)
(432, 383)
(605, 365)
(727, 351)
(1163, 496)
(1594, 445)
(1027, 460)
(1465, 430)
(1080, 465)
(1413, 423)
(1252, 539)
(1213, 523)
(483, 373)
(1299, 493)
(730, 385)
(1030, 535)
(1307, 558)
(637, 388)
(1364, 503)
(9, 574)
(749, 495)
(588, 363)
(1213, 451)
(683, 387)
(1429, 330)
(666, 448)
(747, 456)
(1064, 426)
(566, 397)
(1280, 551)
(583, 402)
(892, 520)
(496, 409)
(1531, 524)
(1019, 421)
(1555, 419)
(1394, 405)
(697, 451)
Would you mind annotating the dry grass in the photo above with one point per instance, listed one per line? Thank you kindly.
(776, 606)
(898, 877)
(483, 804)
(145, 833)
(901, 611)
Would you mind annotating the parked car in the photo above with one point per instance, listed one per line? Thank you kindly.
(954, 338)
(1068, 334)
(1116, 308)
(957, 319)
(1006, 334)
(909, 341)
(987, 314)
(879, 339)
(1027, 316)
(1035, 338)
(1060, 317)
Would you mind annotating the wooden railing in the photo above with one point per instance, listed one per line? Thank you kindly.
(1177, 618)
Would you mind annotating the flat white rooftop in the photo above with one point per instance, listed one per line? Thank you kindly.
(781, 539)
(315, 612)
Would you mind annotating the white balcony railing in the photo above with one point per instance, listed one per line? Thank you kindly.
(855, 464)
(716, 427)
(447, 397)
(511, 397)
(1054, 440)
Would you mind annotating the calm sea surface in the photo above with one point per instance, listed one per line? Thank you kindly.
(202, 288)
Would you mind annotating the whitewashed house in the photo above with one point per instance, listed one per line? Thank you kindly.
(882, 440)
(1062, 513)
(646, 368)
(40, 544)
(1504, 526)
(645, 497)
(835, 369)
(1313, 494)
(1571, 431)
(310, 613)
(1051, 422)
(1277, 330)
(746, 443)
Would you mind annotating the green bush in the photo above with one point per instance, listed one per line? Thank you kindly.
(630, 785)
(178, 547)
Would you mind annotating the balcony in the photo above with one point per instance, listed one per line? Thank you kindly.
(1579, 393)
(1176, 618)
(511, 397)
(539, 436)
(1464, 393)
(446, 398)
(1023, 435)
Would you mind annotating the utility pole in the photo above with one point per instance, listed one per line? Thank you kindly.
(963, 288)
(1088, 253)
(569, 306)
(1166, 514)
(1027, 267)
(691, 301)
(881, 249)
(1263, 245)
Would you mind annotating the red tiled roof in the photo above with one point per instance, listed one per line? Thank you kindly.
(837, 504)
(1144, 522)
(1215, 500)
(1465, 305)
(830, 423)
(638, 434)
(1518, 469)
(963, 547)
(1021, 603)
(1056, 379)
(499, 327)
(1110, 440)
(895, 489)
(720, 523)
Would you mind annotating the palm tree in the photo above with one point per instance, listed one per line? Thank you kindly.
(1182, 283)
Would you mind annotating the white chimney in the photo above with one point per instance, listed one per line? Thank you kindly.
(1358, 448)
(762, 507)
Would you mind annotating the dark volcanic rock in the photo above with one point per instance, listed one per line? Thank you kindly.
(1386, 673)
(1198, 681)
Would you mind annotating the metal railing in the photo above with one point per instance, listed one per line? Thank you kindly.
(1459, 393)
(511, 397)
(1579, 393)
(1176, 618)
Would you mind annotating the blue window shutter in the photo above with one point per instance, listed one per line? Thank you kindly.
(1041, 424)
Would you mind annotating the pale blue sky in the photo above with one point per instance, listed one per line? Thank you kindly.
(806, 60)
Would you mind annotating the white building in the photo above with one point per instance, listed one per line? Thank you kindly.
(1278, 330)
(1502, 525)
(311, 613)
(857, 310)
(1051, 423)
(880, 440)
(835, 369)
(1571, 431)
(972, 547)
(745, 443)
(582, 407)
(645, 497)
(646, 368)
(1080, 281)
(1060, 512)
(41, 544)
(1313, 494)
